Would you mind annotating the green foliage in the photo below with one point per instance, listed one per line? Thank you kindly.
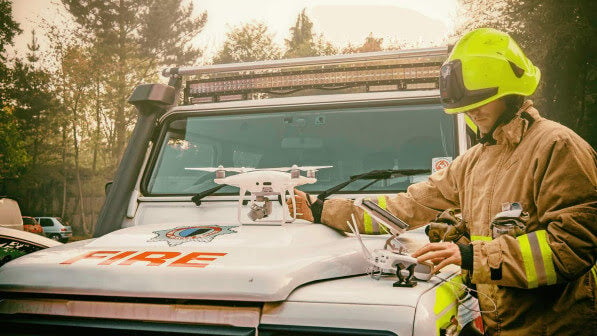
(62, 131)
(33, 47)
(371, 44)
(8, 27)
(26, 99)
(303, 42)
(130, 40)
(246, 43)
(13, 154)
(171, 45)
(559, 37)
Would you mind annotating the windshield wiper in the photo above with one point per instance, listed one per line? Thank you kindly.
(197, 198)
(376, 175)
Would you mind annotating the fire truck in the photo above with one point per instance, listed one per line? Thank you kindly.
(176, 253)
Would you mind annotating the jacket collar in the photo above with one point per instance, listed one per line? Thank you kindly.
(512, 132)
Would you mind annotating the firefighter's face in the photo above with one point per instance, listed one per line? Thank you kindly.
(486, 116)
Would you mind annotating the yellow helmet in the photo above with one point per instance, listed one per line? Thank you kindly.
(485, 64)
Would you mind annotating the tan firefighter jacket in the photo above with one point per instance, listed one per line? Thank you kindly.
(543, 282)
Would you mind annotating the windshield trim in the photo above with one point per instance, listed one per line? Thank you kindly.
(192, 111)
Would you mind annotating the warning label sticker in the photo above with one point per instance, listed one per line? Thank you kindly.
(440, 163)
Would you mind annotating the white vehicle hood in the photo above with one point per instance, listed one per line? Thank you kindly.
(246, 263)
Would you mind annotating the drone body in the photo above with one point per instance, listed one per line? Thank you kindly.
(262, 183)
(264, 180)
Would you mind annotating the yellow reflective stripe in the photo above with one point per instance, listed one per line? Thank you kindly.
(367, 223)
(381, 201)
(446, 298)
(594, 271)
(546, 254)
(486, 238)
(470, 123)
(529, 263)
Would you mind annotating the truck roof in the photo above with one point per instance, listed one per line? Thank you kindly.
(370, 98)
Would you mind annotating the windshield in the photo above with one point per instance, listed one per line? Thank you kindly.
(353, 141)
(29, 221)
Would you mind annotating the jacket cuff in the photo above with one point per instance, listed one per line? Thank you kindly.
(316, 210)
(466, 254)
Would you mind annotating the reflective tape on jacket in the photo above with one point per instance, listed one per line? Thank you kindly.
(446, 301)
(537, 258)
(484, 238)
(382, 202)
(370, 225)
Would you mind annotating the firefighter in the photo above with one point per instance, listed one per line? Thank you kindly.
(527, 192)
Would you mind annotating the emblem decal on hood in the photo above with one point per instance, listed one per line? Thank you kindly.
(185, 234)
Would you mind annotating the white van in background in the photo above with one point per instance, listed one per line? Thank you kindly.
(10, 214)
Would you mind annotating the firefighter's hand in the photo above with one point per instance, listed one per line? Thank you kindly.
(440, 254)
(302, 207)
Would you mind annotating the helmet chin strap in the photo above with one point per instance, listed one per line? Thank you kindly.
(506, 116)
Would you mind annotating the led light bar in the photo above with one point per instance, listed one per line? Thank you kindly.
(402, 70)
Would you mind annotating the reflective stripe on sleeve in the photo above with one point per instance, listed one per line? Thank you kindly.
(537, 259)
(367, 223)
(485, 238)
(370, 225)
(382, 202)
(527, 258)
(546, 254)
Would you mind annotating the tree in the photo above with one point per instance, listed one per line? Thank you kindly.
(246, 43)
(303, 42)
(13, 154)
(371, 44)
(132, 38)
(33, 47)
(9, 28)
(559, 37)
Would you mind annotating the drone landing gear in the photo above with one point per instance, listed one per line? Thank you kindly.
(405, 281)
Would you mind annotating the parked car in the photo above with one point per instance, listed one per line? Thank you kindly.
(10, 214)
(55, 229)
(16, 243)
(30, 224)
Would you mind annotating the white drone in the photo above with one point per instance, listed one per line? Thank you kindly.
(263, 182)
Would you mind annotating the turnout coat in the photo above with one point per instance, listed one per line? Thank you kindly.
(543, 282)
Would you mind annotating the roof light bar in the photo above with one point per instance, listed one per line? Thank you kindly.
(405, 70)
(319, 60)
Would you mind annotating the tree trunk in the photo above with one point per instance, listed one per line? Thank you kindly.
(120, 117)
(64, 172)
(98, 122)
(77, 170)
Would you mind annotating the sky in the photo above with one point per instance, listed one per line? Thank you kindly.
(340, 21)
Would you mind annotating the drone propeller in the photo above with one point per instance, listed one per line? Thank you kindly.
(295, 167)
(220, 168)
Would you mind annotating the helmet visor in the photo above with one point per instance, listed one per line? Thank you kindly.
(453, 92)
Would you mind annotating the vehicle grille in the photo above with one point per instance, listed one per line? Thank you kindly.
(30, 325)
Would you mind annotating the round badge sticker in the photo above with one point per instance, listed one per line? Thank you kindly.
(440, 163)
